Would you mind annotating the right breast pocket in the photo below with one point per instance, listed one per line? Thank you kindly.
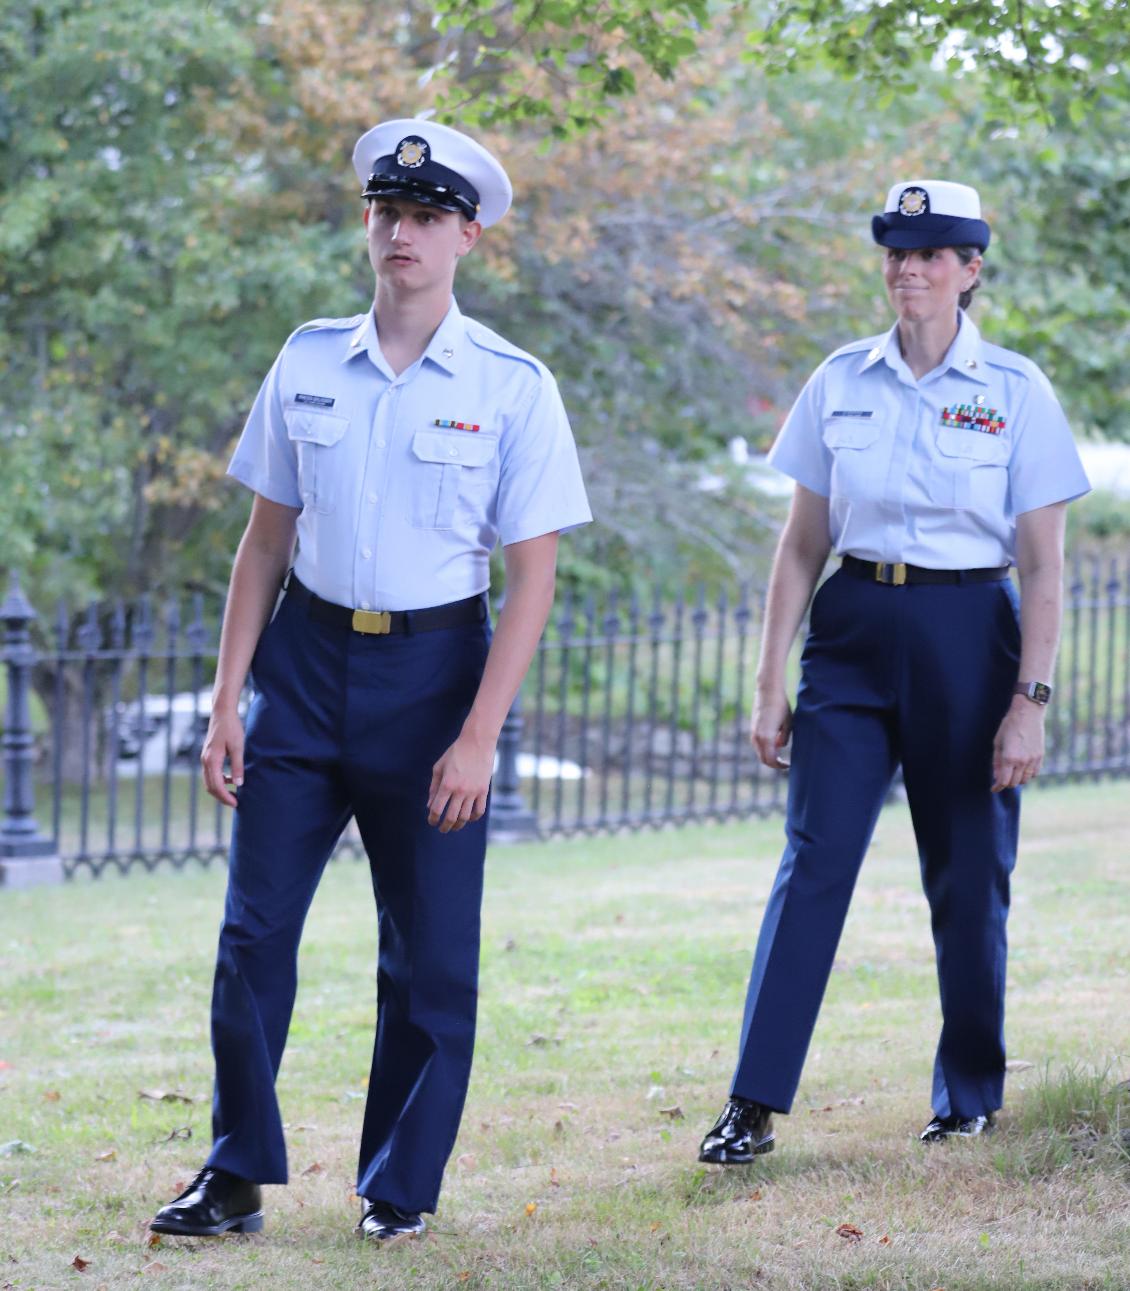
(857, 469)
(317, 439)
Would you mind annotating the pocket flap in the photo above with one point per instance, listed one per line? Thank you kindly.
(464, 448)
(314, 427)
(850, 434)
(974, 445)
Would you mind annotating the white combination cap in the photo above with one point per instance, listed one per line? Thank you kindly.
(931, 213)
(434, 165)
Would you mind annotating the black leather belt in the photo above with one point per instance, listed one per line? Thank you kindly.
(877, 571)
(385, 622)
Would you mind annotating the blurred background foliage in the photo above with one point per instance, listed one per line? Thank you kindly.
(690, 237)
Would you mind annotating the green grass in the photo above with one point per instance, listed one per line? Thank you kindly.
(613, 975)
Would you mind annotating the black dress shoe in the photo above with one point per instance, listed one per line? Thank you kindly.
(215, 1202)
(956, 1127)
(388, 1224)
(742, 1132)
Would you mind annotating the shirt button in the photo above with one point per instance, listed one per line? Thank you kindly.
(366, 552)
(373, 499)
(453, 452)
(380, 443)
(365, 605)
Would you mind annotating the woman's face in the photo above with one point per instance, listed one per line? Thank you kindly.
(925, 283)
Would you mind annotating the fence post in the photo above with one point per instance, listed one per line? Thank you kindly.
(510, 819)
(27, 857)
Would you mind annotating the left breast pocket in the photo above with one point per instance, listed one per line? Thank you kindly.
(452, 471)
(970, 471)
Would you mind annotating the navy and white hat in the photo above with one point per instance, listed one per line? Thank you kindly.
(434, 165)
(931, 213)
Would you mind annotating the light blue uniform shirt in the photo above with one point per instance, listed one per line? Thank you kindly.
(931, 472)
(399, 509)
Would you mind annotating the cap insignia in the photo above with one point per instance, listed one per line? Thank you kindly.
(412, 152)
(914, 201)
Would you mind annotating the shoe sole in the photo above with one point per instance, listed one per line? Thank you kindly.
(386, 1243)
(237, 1224)
(728, 1158)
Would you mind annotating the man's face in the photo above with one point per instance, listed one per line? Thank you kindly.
(414, 247)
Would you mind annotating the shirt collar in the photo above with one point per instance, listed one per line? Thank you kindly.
(444, 349)
(965, 355)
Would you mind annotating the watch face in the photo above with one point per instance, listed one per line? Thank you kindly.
(1040, 692)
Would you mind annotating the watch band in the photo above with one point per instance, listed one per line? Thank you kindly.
(1039, 692)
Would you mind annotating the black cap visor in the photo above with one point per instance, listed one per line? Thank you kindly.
(909, 232)
(430, 185)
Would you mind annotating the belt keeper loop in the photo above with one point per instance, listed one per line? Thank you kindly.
(407, 623)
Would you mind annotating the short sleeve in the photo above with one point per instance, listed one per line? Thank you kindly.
(264, 459)
(799, 450)
(540, 486)
(1045, 466)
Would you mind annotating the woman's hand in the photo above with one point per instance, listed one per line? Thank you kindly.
(1018, 749)
(771, 726)
(223, 743)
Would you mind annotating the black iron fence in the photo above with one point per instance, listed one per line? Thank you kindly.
(634, 714)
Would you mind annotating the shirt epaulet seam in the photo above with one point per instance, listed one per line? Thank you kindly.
(488, 340)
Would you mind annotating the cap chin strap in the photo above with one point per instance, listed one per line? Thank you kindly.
(449, 198)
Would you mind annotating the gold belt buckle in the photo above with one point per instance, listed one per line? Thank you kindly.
(377, 623)
(896, 576)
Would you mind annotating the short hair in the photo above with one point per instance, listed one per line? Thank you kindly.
(966, 256)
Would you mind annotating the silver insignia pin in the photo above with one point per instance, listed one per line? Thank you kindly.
(449, 353)
(971, 363)
(980, 399)
(874, 353)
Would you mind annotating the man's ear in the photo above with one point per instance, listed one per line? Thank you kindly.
(365, 213)
(472, 231)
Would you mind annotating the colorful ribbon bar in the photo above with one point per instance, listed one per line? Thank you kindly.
(455, 425)
(970, 416)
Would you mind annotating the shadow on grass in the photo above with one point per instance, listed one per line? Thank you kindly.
(1074, 1118)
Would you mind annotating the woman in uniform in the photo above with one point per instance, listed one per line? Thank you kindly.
(929, 461)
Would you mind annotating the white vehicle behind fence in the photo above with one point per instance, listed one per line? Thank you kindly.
(163, 731)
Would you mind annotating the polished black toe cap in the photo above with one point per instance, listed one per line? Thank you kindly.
(956, 1127)
(387, 1224)
(215, 1202)
(742, 1132)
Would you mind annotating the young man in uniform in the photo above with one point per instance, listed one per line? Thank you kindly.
(397, 447)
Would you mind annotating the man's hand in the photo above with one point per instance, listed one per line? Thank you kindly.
(1018, 749)
(460, 781)
(223, 743)
(770, 727)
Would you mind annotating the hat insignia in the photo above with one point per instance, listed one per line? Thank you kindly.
(412, 152)
(914, 201)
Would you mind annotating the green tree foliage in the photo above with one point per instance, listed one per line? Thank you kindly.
(568, 63)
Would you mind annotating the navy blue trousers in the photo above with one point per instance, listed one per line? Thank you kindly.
(920, 675)
(347, 725)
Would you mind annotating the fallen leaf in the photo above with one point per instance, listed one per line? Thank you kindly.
(52, 1096)
(531, 1206)
(315, 1167)
(153, 1240)
(885, 1240)
(675, 1113)
(713, 1054)
(466, 1161)
(109, 1155)
(114, 1236)
(165, 1096)
(850, 1233)
(79, 1263)
(509, 944)
(558, 1127)
(619, 918)
(316, 1259)
(464, 1275)
(154, 1266)
(756, 1195)
(553, 1179)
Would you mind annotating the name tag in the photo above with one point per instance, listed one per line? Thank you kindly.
(314, 400)
(853, 412)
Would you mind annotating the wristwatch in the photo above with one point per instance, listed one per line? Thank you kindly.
(1039, 692)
